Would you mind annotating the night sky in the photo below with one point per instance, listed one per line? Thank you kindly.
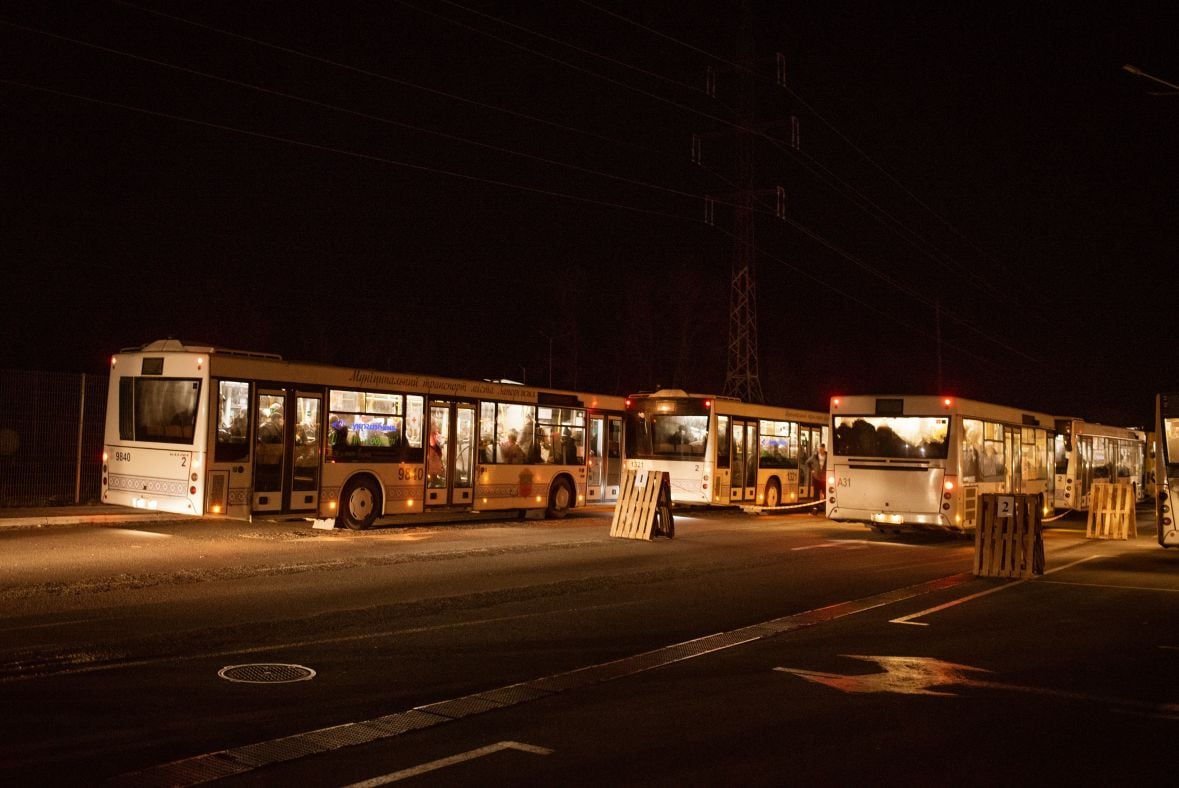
(457, 187)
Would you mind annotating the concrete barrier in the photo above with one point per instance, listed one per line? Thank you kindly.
(1008, 541)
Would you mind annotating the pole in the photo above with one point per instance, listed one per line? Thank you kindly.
(78, 458)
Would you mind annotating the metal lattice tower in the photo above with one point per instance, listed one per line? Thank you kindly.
(741, 375)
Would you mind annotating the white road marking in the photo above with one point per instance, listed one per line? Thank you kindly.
(1110, 585)
(917, 675)
(920, 614)
(442, 763)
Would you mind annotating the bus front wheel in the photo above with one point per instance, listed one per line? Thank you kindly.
(773, 495)
(560, 499)
(359, 503)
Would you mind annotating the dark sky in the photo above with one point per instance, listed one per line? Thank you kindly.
(457, 187)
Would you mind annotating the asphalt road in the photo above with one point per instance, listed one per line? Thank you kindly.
(751, 650)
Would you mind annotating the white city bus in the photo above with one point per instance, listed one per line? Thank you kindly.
(1166, 467)
(208, 431)
(721, 451)
(1087, 453)
(923, 461)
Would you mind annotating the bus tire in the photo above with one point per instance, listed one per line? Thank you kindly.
(773, 494)
(359, 503)
(561, 499)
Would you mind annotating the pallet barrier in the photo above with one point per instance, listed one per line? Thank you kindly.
(1111, 511)
(1008, 541)
(643, 510)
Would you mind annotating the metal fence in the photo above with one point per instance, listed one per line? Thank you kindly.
(51, 426)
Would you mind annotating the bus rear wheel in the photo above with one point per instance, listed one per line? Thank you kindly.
(560, 499)
(359, 504)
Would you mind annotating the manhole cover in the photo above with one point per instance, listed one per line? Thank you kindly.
(265, 673)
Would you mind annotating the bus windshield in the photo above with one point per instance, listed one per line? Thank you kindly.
(900, 437)
(670, 429)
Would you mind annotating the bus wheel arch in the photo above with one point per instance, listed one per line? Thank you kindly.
(360, 502)
(562, 497)
(773, 493)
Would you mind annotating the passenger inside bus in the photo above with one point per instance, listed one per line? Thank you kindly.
(990, 464)
(271, 430)
(510, 451)
(339, 434)
(543, 448)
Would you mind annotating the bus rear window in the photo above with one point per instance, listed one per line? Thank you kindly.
(160, 410)
(901, 437)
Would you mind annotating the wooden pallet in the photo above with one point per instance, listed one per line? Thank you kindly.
(643, 510)
(1008, 540)
(1111, 511)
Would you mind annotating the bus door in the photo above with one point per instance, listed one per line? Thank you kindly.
(450, 454)
(604, 458)
(286, 451)
(743, 474)
(613, 457)
(807, 446)
(306, 453)
(596, 459)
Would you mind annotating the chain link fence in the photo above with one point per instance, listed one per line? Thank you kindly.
(51, 429)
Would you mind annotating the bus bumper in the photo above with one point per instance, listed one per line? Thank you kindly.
(916, 520)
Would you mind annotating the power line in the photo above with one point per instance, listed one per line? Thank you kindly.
(340, 151)
(383, 77)
(363, 115)
(823, 120)
(798, 226)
